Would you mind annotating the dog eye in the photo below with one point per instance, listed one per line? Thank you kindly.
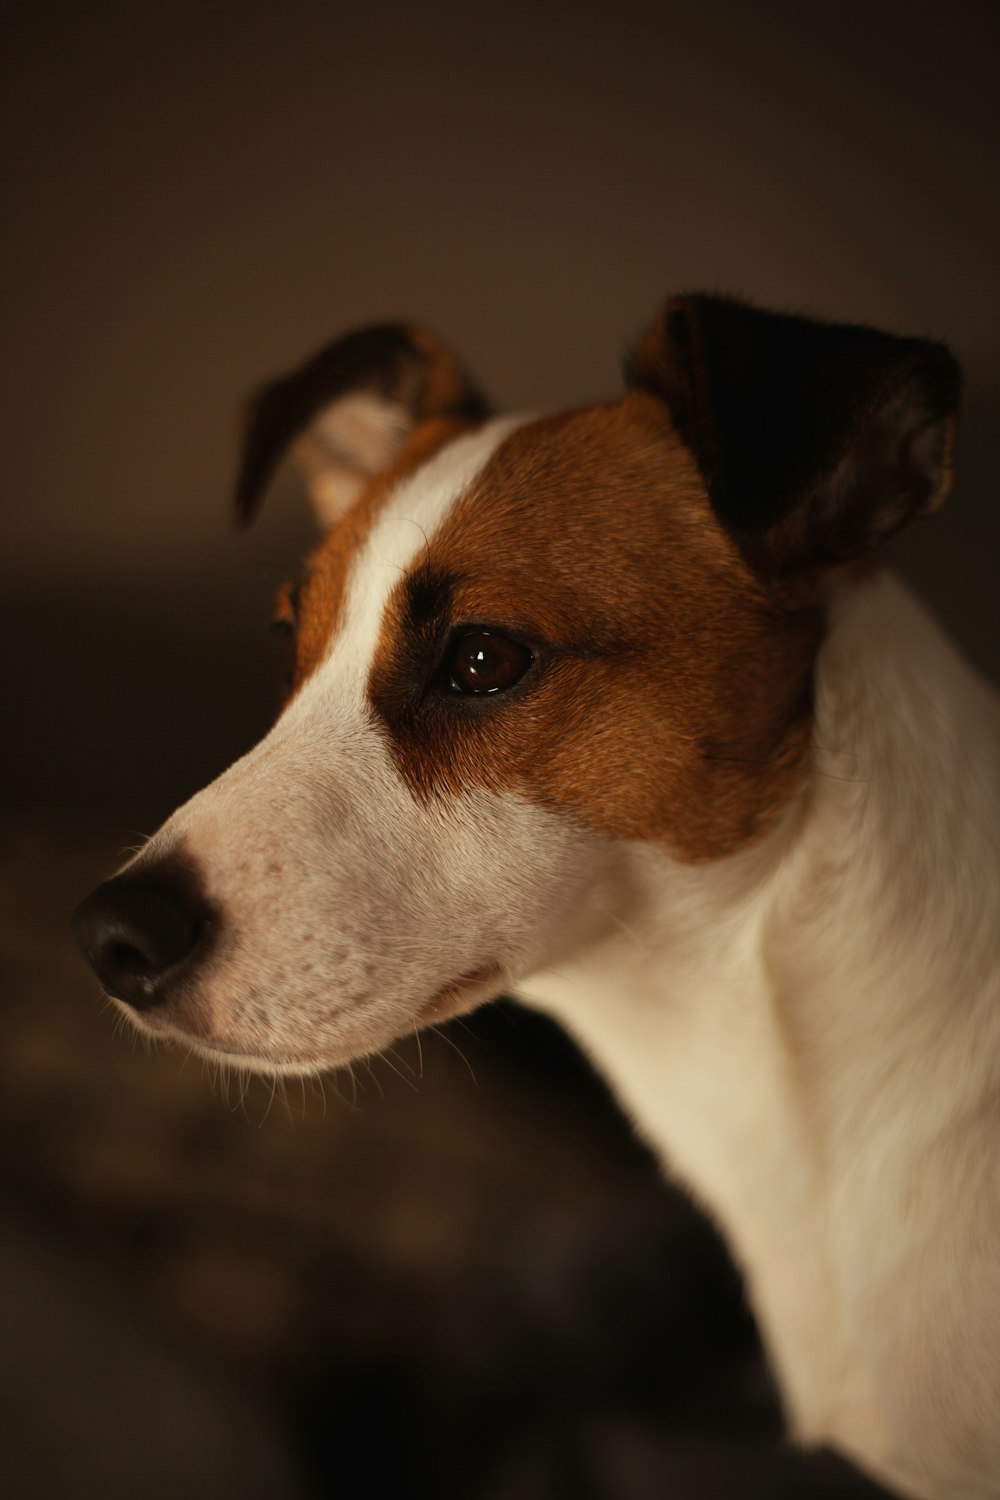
(286, 610)
(486, 663)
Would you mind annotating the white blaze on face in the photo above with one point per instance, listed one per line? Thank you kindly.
(345, 905)
(404, 528)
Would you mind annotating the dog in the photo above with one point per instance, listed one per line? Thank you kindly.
(617, 711)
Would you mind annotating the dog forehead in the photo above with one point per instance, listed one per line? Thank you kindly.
(531, 515)
(353, 571)
(420, 507)
(573, 497)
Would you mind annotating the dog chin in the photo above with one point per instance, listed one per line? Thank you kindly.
(456, 998)
(268, 1064)
(229, 1052)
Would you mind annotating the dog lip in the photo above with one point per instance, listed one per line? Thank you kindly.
(452, 999)
(227, 1050)
(459, 994)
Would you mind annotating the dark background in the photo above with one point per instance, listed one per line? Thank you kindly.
(450, 1287)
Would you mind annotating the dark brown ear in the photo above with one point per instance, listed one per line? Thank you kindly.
(815, 440)
(347, 412)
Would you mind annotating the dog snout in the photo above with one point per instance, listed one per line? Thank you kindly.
(141, 933)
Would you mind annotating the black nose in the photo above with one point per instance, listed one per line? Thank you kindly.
(139, 932)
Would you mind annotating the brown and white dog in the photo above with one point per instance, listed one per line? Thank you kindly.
(614, 710)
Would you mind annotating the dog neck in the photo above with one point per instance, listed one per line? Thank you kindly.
(786, 1026)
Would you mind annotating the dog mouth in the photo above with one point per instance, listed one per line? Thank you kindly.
(455, 998)
(460, 995)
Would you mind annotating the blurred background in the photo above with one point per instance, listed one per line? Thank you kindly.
(456, 1274)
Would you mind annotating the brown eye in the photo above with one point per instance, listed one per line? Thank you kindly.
(486, 663)
(284, 621)
(285, 616)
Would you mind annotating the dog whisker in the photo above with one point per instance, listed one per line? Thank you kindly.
(274, 1085)
(450, 1042)
(386, 1058)
(366, 1063)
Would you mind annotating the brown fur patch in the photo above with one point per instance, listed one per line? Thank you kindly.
(669, 699)
(320, 596)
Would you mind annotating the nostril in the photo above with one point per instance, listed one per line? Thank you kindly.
(139, 932)
(126, 957)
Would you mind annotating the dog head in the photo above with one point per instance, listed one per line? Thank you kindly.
(524, 648)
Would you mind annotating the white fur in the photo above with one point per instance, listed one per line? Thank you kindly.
(400, 534)
(809, 1033)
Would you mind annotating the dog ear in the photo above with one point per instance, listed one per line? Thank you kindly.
(815, 440)
(347, 412)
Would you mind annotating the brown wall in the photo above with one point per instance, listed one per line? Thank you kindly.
(201, 193)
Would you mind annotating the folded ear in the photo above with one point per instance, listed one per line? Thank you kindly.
(347, 412)
(815, 440)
